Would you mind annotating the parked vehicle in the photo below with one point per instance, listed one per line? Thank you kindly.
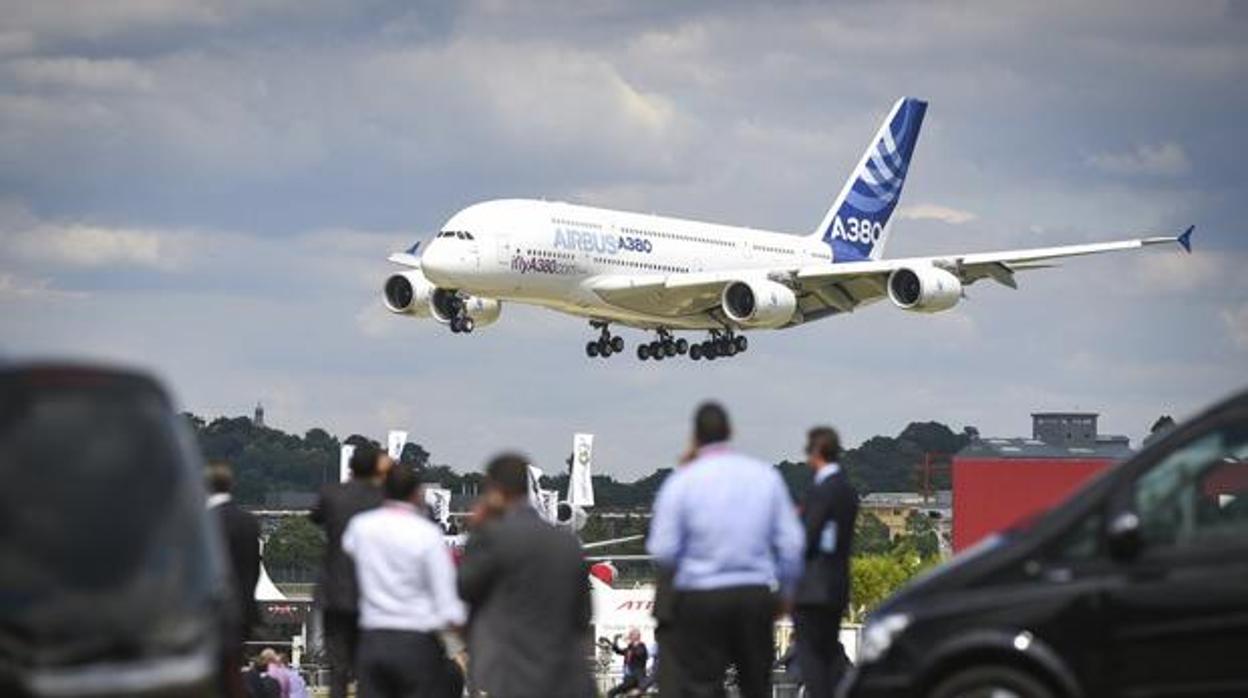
(111, 579)
(1135, 586)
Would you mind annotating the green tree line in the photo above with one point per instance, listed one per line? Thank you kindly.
(267, 461)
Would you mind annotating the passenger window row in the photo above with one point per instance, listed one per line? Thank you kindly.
(576, 224)
(647, 266)
(678, 236)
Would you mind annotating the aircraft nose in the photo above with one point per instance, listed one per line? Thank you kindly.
(439, 263)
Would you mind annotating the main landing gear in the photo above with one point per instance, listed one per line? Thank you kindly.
(664, 346)
(720, 344)
(606, 344)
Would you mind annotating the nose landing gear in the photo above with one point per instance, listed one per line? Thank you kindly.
(460, 322)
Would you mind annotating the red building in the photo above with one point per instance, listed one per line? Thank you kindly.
(999, 482)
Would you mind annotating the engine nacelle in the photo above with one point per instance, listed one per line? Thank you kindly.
(445, 304)
(570, 516)
(483, 311)
(409, 293)
(759, 303)
(924, 289)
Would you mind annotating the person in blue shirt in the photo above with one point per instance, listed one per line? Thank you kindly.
(726, 527)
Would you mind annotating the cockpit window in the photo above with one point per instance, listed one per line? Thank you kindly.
(469, 236)
(460, 236)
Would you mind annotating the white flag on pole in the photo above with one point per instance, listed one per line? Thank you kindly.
(344, 462)
(395, 441)
(580, 482)
(438, 499)
(550, 505)
(535, 490)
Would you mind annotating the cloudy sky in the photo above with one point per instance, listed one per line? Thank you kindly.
(209, 188)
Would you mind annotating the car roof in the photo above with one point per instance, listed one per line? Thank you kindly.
(69, 374)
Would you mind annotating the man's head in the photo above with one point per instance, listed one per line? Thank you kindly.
(823, 446)
(507, 479)
(219, 478)
(710, 425)
(269, 656)
(634, 635)
(369, 462)
(402, 484)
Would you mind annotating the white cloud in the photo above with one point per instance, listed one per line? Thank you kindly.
(1161, 160)
(1236, 321)
(935, 212)
(72, 72)
(13, 286)
(89, 246)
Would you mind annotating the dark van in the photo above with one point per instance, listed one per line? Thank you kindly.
(1136, 586)
(111, 581)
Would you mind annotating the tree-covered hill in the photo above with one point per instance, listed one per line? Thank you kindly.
(267, 461)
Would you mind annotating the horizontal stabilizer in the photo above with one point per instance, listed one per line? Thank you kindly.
(1185, 240)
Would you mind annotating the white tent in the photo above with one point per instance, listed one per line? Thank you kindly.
(266, 590)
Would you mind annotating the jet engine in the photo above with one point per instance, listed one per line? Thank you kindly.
(446, 304)
(570, 516)
(924, 289)
(759, 303)
(409, 293)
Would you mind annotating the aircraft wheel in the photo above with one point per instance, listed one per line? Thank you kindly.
(682, 346)
(669, 347)
(695, 352)
(643, 351)
(617, 344)
(604, 348)
(591, 349)
(467, 325)
(742, 343)
(730, 349)
(709, 349)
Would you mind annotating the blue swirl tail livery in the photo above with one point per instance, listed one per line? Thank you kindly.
(856, 227)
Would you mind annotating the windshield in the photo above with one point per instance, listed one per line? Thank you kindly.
(104, 547)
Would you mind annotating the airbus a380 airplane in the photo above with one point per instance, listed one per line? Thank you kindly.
(668, 275)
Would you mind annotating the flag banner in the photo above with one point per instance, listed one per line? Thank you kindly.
(344, 462)
(580, 482)
(395, 441)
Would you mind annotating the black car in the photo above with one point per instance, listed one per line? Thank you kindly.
(1136, 586)
(111, 580)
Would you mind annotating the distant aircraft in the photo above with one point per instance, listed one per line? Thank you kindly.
(667, 275)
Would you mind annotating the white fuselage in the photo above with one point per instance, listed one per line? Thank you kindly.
(550, 254)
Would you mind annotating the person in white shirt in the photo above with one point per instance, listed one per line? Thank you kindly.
(407, 594)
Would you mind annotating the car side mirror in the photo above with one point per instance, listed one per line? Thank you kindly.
(1124, 536)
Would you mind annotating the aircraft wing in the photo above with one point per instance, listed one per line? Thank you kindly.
(406, 259)
(841, 287)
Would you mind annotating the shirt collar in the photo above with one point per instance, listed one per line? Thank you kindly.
(827, 471)
(217, 499)
(399, 505)
(717, 448)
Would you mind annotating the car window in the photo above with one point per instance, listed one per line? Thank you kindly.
(1199, 492)
(1082, 541)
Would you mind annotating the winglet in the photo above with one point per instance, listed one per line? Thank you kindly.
(1186, 239)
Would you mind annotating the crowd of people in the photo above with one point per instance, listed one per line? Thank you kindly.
(733, 554)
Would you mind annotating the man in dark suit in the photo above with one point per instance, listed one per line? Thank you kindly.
(823, 592)
(527, 587)
(336, 590)
(242, 540)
